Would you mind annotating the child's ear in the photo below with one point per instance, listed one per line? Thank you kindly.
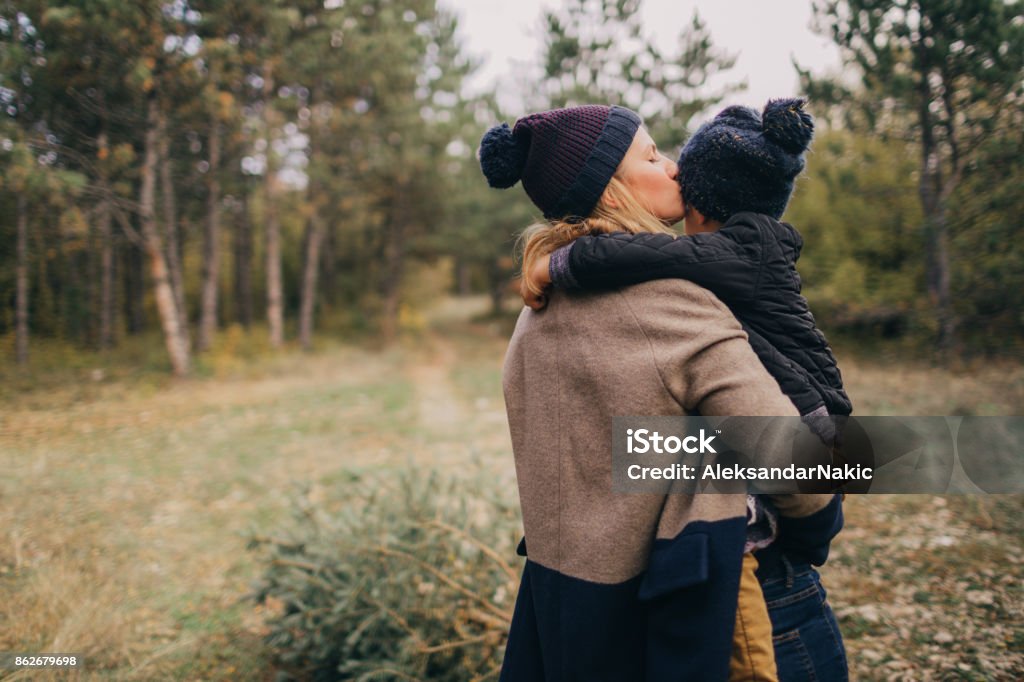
(691, 213)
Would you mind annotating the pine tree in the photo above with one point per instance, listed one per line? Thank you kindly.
(596, 51)
(944, 73)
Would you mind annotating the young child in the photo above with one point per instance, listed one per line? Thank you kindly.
(736, 175)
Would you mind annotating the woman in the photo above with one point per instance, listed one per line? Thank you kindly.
(625, 587)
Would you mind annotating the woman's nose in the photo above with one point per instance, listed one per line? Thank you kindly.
(670, 167)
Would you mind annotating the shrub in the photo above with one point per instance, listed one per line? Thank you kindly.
(411, 576)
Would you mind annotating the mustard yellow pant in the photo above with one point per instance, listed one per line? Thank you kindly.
(753, 656)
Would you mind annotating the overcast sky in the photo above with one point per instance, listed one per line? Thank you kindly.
(766, 35)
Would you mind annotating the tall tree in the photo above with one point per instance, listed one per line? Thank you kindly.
(986, 233)
(175, 338)
(31, 174)
(597, 51)
(232, 34)
(244, 45)
(271, 219)
(422, 120)
(377, 86)
(242, 258)
(21, 314)
(211, 240)
(220, 109)
(171, 230)
(105, 221)
(942, 73)
(163, 54)
(323, 71)
(482, 223)
(19, 45)
(103, 63)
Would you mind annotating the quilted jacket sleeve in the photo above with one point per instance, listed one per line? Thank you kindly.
(796, 382)
(727, 262)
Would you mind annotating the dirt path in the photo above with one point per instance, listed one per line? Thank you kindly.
(455, 380)
(439, 409)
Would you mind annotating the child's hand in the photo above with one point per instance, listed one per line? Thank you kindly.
(535, 283)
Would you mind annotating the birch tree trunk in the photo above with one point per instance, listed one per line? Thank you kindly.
(174, 265)
(211, 244)
(170, 319)
(21, 305)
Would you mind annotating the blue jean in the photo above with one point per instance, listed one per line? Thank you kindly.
(808, 646)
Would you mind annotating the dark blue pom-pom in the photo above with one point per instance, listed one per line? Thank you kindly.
(502, 156)
(788, 125)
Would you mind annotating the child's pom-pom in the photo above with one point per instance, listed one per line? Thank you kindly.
(788, 125)
(502, 156)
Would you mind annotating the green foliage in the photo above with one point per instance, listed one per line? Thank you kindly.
(401, 576)
(481, 223)
(596, 51)
(857, 210)
(988, 235)
(944, 63)
(948, 77)
(357, 112)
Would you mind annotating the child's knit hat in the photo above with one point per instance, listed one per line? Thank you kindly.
(565, 157)
(743, 161)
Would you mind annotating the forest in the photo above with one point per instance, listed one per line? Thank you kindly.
(170, 170)
(255, 294)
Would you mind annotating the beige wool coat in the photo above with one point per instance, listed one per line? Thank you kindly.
(626, 586)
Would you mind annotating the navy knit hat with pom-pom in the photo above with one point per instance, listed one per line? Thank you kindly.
(564, 157)
(745, 161)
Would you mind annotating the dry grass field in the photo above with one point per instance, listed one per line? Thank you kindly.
(126, 502)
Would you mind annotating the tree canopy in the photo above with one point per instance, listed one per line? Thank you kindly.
(180, 165)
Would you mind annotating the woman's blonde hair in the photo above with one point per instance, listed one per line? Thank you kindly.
(618, 210)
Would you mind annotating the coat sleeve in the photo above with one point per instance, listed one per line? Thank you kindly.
(809, 536)
(727, 262)
(703, 355)
(708, 366)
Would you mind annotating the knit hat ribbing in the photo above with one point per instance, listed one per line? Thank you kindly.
(564, 157)
(745, 161)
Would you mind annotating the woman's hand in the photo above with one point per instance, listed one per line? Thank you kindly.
(535, 283)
